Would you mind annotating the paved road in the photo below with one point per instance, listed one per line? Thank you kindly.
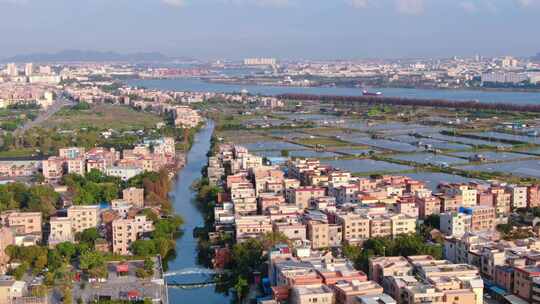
(44, 115)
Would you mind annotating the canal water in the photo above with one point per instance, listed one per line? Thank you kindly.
(186, 245)
(198, 85)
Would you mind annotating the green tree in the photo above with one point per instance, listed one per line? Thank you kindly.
(143, 247)
(67, 250)
(54, 259)
(248, 257)
(241, 288)
(91, 260)
(89, 236)
(271, 239)
(19, 272)
(433, 221)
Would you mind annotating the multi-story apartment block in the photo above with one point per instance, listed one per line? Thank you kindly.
(491, 258)
(347, 292)
(450, 203)
(292, 228)
(53, 168)
(245, 206)
(123, 173)
(252, 226)
(402, 224)
(483, 218)
(381, 267)
(61, 230)
(128, 230)
(304, 196)
(407, 207)
(71, 152)
(467, 193)
(186, 117)
(523, 281)
(502, 200)
(335, 235)
(533, 196)
(83, 217)
(345, 194)
(380, 226)
(23, 223)
(518, 196)
(422, 293)
(76, 166)
(309, 294)
(428, 206)
(454, 223)
(356, 227)
(318, 234)
(134, 196)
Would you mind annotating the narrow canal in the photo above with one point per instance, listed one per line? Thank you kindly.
(186, 245)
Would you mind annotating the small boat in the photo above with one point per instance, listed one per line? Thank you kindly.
(367, 93)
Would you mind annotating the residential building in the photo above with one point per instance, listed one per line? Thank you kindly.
(83, 217)
(356, 227)
(454, 223)
(309, 294)
(61, 230)
(134, 196)
(23, 223)
(347, 292)
(128, 230)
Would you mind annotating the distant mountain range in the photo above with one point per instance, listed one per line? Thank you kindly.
(86, 56)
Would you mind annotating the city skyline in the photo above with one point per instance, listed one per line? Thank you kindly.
(234, 29)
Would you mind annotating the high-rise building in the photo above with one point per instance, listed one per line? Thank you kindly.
(260, 61)
(45, 70)
(12, 69)
(29, 69)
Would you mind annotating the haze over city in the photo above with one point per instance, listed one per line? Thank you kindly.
(317, 29)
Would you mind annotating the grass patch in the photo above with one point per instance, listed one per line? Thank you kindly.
(103, 116)
(328, 142)
(26, 152)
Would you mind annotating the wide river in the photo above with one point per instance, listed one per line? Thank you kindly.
(198, 85)
(186, 245)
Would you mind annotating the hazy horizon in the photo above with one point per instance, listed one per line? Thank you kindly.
(290, 29)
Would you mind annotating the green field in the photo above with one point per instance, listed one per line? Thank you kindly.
(24, 152)
(103, 116)
(328, 142)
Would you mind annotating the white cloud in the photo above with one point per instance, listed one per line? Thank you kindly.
(410, 7)
(175, 3)
(14, 1)
(264, 3)
(359, 3)
(478, 6)
(528, 3)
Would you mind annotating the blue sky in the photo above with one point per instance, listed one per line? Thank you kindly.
(319, 29)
